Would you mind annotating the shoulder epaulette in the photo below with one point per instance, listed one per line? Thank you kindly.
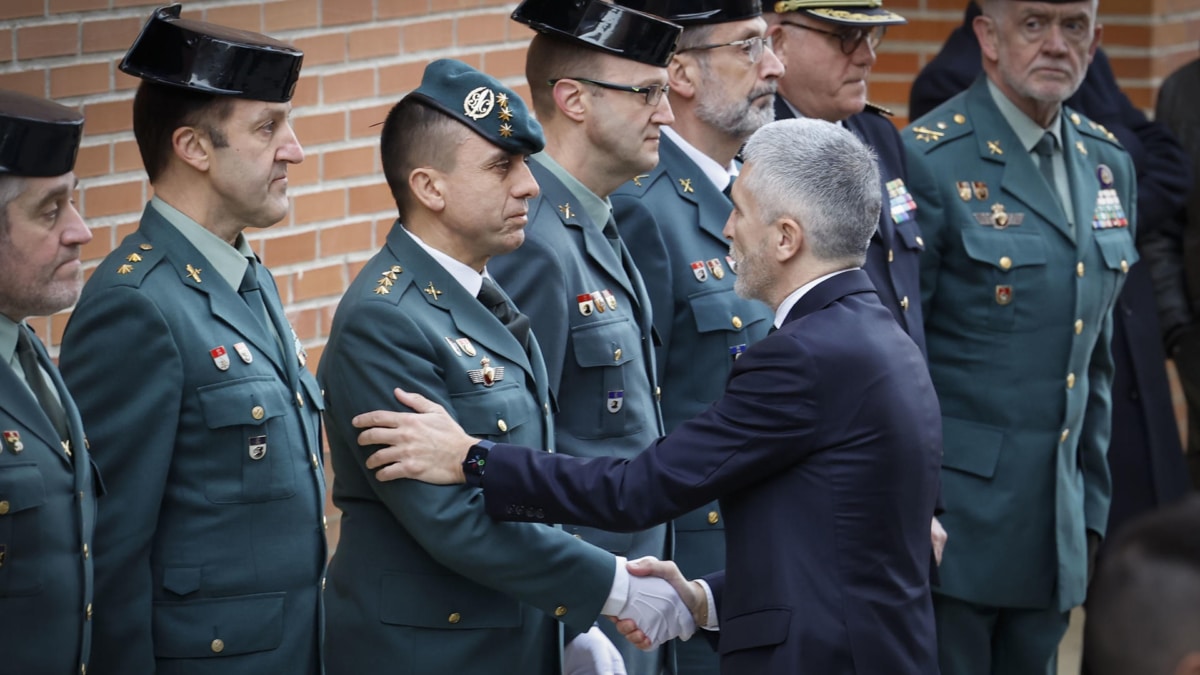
(129, 264)
(935, 129)
(389, 282)
(1090, 128)
(878, 110)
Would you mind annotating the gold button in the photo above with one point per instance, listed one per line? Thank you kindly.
(257, 412)
(658, 393)
(146, 247)
(737, 322)
(322, 583)
(1078, 326)
(1079, 269)
(299, 400)
(713, 517)
(560, 611)
(502, 425)
(89, 611)
(315, 462)
(904, 303)
(1063, 437)
(86, 552)
(891, 255)
(546, 407)
(617, 354)
(1005, 263)
(960, 119)
(455, 617)
(325, 522)
(920, 241)
(1125, 266)
(83, 666)
(1070, 380)
(4, 507)
(218, 646)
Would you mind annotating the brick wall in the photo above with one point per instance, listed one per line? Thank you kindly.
(360, 57)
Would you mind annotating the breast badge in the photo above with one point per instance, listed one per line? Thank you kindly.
(485, 374)
(901, 202)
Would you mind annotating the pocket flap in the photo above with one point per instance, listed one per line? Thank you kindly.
(1117, 248)
(313, 388)
(1016, 250)
(21, 488)
(481, 412)
(762, 628)
(910, 235)
(611, 343)
(715, 311)
(444, 602)
(250, 401)
(971, 447)
(196, 629)
(181, 580)
(705, 518)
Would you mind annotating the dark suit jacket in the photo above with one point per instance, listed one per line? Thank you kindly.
(209, 556)
(47, 515)
(1144, 454)
(422, 580)
(824, 453)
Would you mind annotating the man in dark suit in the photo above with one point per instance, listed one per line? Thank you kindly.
(48, 486)
(600, 94)
(422, 580)
(1144, 453)
(823, 450)
(722, 81)
(192, 386)
(1029, 235)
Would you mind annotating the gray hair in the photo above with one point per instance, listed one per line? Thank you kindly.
(10, 187)
(821, 175)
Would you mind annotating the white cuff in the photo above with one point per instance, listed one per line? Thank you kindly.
(618, 595)
(711, 622)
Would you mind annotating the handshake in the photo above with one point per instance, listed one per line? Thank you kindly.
(661, 604)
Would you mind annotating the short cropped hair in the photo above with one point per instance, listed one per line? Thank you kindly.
(551, 58)
(822, 176)
(158, 110)
(416, 135)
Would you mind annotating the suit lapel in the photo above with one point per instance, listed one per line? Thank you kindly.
(75, 434)
(830, 290)
(694, 187)
(20, 403)
(885, 232)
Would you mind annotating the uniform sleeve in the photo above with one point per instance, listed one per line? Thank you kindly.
(122, 368)
(535, 564)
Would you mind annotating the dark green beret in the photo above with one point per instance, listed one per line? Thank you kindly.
(38, 138)
(479, 101)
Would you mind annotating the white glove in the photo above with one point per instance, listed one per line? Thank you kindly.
(592, 653)
(657, 610)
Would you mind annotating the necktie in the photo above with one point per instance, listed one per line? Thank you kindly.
(251, 293)
(1045, 153)
(516, 322)
(37, 383)
(610, 233)
(728, 191)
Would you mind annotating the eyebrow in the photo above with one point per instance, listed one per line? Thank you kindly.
(54, 194)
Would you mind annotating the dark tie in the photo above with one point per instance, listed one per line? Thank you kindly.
(729, 187)
(772, 329)
(251, 292)
(1045, 153)
(37, 383)
(516, 322)
(610, 233)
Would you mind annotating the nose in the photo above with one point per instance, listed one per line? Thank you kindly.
(769, 66)
(727, 231)
(1055, 42)
(663, 115)
(525, 186)
(291, 150)
(864, 54)
(76, 232)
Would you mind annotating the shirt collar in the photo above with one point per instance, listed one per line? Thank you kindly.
(1027, 131)
(468, 278)
(597, 209)
(718, 175)
(8, 343)
(229, 262)
(790, 301)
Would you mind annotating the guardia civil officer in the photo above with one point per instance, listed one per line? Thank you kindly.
(48, 485)
(722, 81)
(210, 549)
(422, 580)
(1029, 232)
(597, 77)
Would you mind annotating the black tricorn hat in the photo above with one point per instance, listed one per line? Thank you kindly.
(624, 32)
(215, 59)
(38, 138)
(697, 12)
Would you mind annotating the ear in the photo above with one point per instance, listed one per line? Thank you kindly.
(683, 74)
(1097, 33)
(789, 239)
(193, 147)
(428, 187)
(986, 33)
(569, 98)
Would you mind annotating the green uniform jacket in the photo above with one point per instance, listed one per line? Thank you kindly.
(423, 581)
(1018, 321)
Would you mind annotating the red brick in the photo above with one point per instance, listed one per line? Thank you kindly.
(308, 91)
(400, 78)
(289, 249)
(126, 156)
(289, 15)
(92, 160)
(110, 200)
(125, 229)
(348, 163)
(449, 5)
(307, 172)
(6, 45)
(348, 238)
(390, 9)
(56, 39)
(930, 30)
(322, 128)
(246, 17)
(145, 3)
(108, 117)
(889, 94)
(32, 82)
(341, 12)
(65, 6)
(372, 199)
(897, 62)
(369, 43)
(110, 34)
(318, 206)
(1130, 67)
(335, 516)
(428, 35)
(504, 63)
(15, 9)
(355, 267)
(479, 29)
(100, 245)
(519, 32)
(322, 49)
(78, 80)
(123, 82)
(58, 326)
(327, 313)
(319, 282)
(369, 121)
(305, 323)
(348, 86)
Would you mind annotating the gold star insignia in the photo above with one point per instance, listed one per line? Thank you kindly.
(396, 269)
(386, 282)
(388, 274)
(637, 180)
(125, 269)
(506, 130)
(381, 290)
(133, 257)
(928, 135)
(505, 115)
(686, 184)
(1079, 146)
(994, 147)
(502, 99)
(565, 209)
(1075, 119)
(432, 292)
(194, 273)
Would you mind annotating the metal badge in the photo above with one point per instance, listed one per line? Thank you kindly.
(598, 300)
(1004, 294)
(453, 346)
(12, 439)
(466, 346)
(610, 299)
(1105, 175)
(486, 374)
(686, 184)
(194, 273)
(718, 270)
(700, 271)
(732, 263)
(258, 447)
(432, 292)
(616, 399)
(586, 306)
(964, 190)
(994, 147)
(478, 104)
(220, 357)
(243, 352)
(981, 190)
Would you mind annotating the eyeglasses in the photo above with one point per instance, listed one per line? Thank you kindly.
(652, 92)
(850, 38)
(753, 47)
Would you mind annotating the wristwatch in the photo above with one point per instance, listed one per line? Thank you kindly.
(476, 462)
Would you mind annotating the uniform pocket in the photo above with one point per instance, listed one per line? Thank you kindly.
(604, 352)
(22, 494)
(495, 413)
(251, 438)
(1010, 272)
(197, 629)
(444, 602)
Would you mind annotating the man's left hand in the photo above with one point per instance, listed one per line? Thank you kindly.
(592, 653)
(426, 444)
